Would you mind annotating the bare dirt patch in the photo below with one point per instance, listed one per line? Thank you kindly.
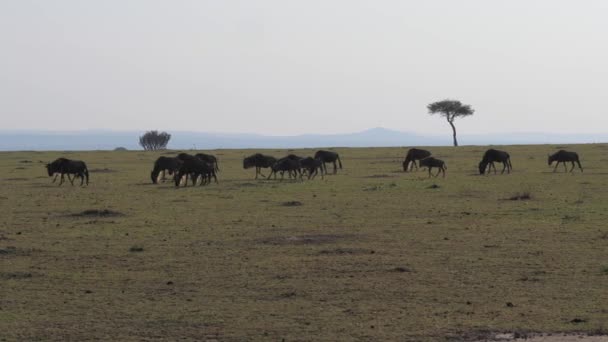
(106, 170)
(98, 213)
(379, 176)
(315, 239)
(346, 251)
(16, 275)
(524, 196)
(291, 204)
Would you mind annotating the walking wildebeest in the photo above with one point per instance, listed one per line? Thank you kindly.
(312, 166)
(259, 161)
(491, 156)
(162, 164)
(412, 155)
(562, 156)
(328, 157)
(210, 159)
(194, 167)
(291, 165)
(70, 167)
(431, 162)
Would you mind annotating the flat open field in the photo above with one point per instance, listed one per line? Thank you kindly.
(371, 253)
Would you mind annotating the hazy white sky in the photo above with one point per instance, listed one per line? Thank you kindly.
(288, 67)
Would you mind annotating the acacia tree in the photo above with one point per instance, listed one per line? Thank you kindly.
(450, 110)
(153, 140)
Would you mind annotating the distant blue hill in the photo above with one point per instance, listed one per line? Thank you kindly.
(376, 137)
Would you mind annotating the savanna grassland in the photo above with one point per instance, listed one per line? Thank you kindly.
(370, 254)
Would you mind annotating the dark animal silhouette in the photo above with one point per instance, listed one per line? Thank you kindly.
(431, 162)
(194, 167)
(328, 157)
(562, 156)
(312, 166)
(412, 155)
(259, 161)
(290, 165)
(162, 164)
(210, 159)
(57, 173)
(491, 156)
(65, 166)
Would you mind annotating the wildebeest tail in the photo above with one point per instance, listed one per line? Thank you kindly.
(339, 162)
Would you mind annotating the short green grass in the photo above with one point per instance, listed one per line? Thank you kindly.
(371, 253)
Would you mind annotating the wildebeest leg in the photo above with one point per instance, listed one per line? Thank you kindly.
(443, 170)
(565, 167)
(414, 166)
(61, 179)
(555, 168)
(572, 169)
(430, 171)
(504, 167)
(72, 180)
(579, 165)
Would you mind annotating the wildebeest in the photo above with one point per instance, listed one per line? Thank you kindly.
(431, 162)
(312, 166)
(412, 155)
(210, 159)
(162, 164)
(194, 167)
(259, 161)
(563, 156)
(328, 157)
(70, 167)
(491, 156)
(290, 165)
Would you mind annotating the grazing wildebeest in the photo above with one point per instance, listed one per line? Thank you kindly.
(312, 165)
(328, 157)
(491, 156)
(291, 165)
(162, 164)
(431, 162)
(562, 156)
(194, 167)
(259, 161)
(210, 159)
(70, 167)
(412, 155)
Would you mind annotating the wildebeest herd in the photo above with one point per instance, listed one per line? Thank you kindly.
(205, 166)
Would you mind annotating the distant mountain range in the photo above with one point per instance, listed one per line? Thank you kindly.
(376, 137)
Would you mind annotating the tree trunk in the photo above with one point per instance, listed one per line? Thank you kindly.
(453, 132)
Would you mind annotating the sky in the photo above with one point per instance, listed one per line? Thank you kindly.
(283, 67)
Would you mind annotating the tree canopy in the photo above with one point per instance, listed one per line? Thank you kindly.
(153, 140)
(450, 109)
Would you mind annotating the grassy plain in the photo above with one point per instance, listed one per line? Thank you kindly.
(370, 254)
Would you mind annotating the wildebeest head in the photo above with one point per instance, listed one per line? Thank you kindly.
(482, 167)
(49, 169)
(248, 162)
(549, 159)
